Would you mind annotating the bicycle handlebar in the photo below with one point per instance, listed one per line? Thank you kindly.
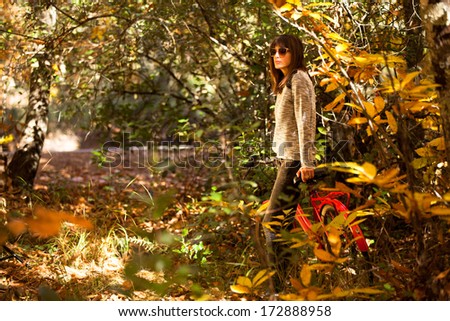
(319, 173)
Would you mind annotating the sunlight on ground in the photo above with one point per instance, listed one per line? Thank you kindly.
(59, 141)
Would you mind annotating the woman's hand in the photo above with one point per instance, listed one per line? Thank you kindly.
(306, 173)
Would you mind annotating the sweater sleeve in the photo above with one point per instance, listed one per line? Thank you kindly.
(305, 115)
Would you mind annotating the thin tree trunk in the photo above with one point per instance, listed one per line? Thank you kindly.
(25, 162)
(24, 165)
(415, 41)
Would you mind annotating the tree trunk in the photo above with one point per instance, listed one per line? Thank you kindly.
(414, 48)
(437, 26)
(25, 162)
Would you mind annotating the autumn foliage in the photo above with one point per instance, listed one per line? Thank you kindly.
(194, 73)
(389, 105)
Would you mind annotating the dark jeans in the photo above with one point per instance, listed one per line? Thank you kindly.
(283, 201)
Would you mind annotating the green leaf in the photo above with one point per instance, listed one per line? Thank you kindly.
(162, 202)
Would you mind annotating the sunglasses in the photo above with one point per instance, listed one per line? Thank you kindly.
(281, 52)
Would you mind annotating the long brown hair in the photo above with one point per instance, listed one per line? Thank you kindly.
(295, 46)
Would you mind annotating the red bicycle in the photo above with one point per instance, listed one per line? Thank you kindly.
(326, 206)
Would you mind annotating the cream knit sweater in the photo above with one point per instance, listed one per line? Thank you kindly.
(295, 121)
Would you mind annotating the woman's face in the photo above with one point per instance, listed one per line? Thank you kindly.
(281, 58)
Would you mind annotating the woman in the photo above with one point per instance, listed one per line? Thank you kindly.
(295, 129)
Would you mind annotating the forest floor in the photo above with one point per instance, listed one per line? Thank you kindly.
(80, 264)
(131, 232)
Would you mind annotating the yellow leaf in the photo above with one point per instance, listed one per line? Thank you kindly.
(298, 243)
(324, 255)
(425, 152)
(333, 104)
(357, 222)
(240, 289)
(334, 238)
(98, 32)
(357, 180)
(379, 103)
(369, 170)
(305, 275)
(6, 139)
(355, 107)
(408, 79)
(350, 218)
(315, 15)
(261, 277)
(440, 211)
(392, 122)
(297, 3)
(419, 163)
(366, 169)
(342, 47)
(439, 143)
(292, 297)
(344, 188)
(418, 106)
(370, 108)
(336, 36)
(357, 121)
(286, 7)
(388, 177)
(262, 208)
(361, 60)
(244, 281)
(367, 291)
(332, 86)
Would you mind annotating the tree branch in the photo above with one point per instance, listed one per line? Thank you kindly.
(35, 39)
(65, 13)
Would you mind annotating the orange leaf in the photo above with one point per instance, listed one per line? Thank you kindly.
(47, 223)
(3, 237)
(400, 267)
(442, 275)
(297, 284)
(17, 227)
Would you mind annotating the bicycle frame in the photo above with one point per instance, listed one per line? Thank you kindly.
(318, 202)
